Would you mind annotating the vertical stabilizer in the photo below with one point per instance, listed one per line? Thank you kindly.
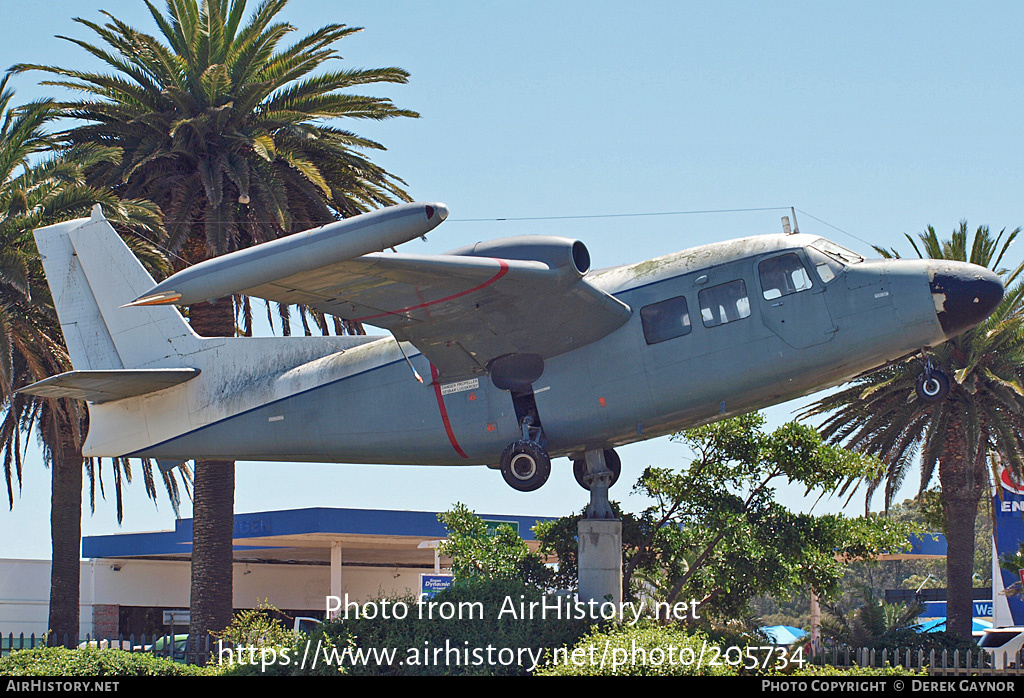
(91, 274)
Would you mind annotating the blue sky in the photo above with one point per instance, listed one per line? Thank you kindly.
(876, 118)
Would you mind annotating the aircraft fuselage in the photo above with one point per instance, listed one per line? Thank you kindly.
(715, 331)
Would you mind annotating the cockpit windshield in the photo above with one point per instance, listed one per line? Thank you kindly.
(829, 259)
(837, 251)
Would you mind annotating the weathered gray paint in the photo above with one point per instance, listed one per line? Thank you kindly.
(383, 416)
(355, 400)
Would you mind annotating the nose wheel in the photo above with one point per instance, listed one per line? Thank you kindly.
(933, 384)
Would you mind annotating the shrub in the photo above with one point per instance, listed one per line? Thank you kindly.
(258, 627)
(647, 649)
(256, 643)
(484, 641)
(60, 661)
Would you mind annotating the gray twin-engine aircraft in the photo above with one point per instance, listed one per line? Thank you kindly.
(505, 353)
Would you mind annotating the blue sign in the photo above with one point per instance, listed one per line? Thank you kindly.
(431, 584)
(252, 527)
(937, 609)
(1008, 504)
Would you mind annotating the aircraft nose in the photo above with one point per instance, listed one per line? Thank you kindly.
(964, 294)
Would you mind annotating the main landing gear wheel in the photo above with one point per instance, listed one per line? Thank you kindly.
(611, 460)
(932, 386)
(525, 465)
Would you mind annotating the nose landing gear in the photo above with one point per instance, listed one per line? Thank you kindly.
(932, 387)
(933, 384)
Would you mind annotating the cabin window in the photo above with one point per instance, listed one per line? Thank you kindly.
(724, 303)
(665, 320)
(782, 276)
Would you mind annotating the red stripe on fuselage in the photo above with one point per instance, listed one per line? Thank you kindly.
(501, 272)
(444, 413)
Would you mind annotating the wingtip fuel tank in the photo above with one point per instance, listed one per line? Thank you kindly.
(293, 254)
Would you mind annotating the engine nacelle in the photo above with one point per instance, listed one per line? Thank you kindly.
(558, 253)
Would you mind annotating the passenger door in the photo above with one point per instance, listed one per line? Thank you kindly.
(793, 301)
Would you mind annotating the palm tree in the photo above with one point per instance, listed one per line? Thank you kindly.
(875, 624)
(224, 129)
(880, 415)
(34, 194)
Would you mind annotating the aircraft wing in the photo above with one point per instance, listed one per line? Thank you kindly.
(460, 311)
(523, 295)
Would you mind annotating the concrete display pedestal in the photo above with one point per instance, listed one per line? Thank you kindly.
(600, 538)
(600, 560)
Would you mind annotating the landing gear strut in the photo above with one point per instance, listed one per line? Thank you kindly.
(611, 461)
(933, 384)
(598, 476)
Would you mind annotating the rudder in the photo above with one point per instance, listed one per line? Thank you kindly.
(91, 274)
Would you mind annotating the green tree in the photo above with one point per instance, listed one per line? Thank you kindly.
(226, 131)
(479, 554)
(35, 193)
(715, 535)
(880, 415)
(878, 576)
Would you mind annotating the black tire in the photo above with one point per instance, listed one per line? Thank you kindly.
(525, 466)
(932, 387)
(611, 459)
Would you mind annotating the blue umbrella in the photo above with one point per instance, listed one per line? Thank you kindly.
(783, 634)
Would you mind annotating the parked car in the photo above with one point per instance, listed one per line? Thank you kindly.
(162, 647)
(1003, 645)
(305, 624)
(106, 644)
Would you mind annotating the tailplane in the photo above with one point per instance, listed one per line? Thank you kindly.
(149, 379)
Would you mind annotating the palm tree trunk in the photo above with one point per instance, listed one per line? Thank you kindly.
(963, 482)
(961, 510)
(65, 535)
(213, 507)
(212, 528)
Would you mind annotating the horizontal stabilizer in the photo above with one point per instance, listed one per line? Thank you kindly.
(168, 465)
(107, 386)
